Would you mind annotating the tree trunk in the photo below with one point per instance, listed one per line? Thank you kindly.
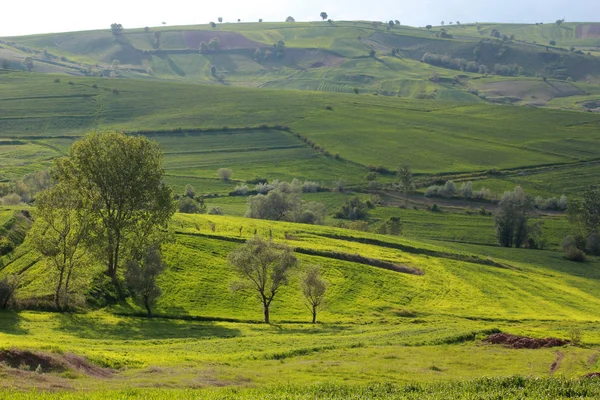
(148, 308)
(266, 311)
(58, 287)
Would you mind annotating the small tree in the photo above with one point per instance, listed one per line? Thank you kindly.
(324, 15)
(116, 29)
(584, 218)
(290, 19)
(28, 63)
(224, 174)
(372, 53)
(141, 279)
(428, 27)
(189, 191)
(511, 218)
(62, 226)
(214, 44)
(313, 289)
(213, 25)
(8, 290)
(466, 190)
(263, 267)
(220, 19)
(406, 179)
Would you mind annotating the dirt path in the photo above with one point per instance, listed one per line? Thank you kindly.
(556, 363)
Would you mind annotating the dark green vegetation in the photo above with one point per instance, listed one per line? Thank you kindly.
(409, 304)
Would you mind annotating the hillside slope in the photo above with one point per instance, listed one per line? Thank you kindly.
(300, 132)
(324, 56)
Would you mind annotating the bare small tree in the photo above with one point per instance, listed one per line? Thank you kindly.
(313, 289)
(224, 174)
(263, 267)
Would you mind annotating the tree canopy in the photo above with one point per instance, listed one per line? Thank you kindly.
(120, 181)
(263, 267)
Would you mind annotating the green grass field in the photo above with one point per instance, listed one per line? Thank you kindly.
(377, 325)
(364, 130)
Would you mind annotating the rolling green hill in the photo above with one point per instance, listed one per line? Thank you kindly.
(303, 134)
(331, 57)
(405, 316)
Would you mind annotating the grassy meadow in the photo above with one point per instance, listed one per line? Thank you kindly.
(377, 325)
(41, 118)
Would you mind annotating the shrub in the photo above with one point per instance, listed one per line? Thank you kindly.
(572, 253)
(240, 190)
(433, 190)
(263, 188)
(8, 290)
(483, 193)
(435, 208)
(593, 244)
(189, 205)
(449, 189)
(311, 187)
(12, 199)
(353, 209)
(256, 181)
(466, 190)
(215, 211)
(224, 173)
(339, 185)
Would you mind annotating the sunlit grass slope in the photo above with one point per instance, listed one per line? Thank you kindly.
(377, 325)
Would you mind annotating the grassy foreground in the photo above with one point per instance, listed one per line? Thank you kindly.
(423, 333)
(509, 388)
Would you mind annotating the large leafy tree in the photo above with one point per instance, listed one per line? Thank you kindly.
(120, 180)
(263, 267)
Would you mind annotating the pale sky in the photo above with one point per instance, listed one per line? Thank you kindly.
(20, 17)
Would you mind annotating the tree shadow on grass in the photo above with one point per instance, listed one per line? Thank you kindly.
(10, 323)
(138, 328)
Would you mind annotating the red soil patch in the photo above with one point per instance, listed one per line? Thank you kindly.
(227, 40)
(27, 360)
(523, 342)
